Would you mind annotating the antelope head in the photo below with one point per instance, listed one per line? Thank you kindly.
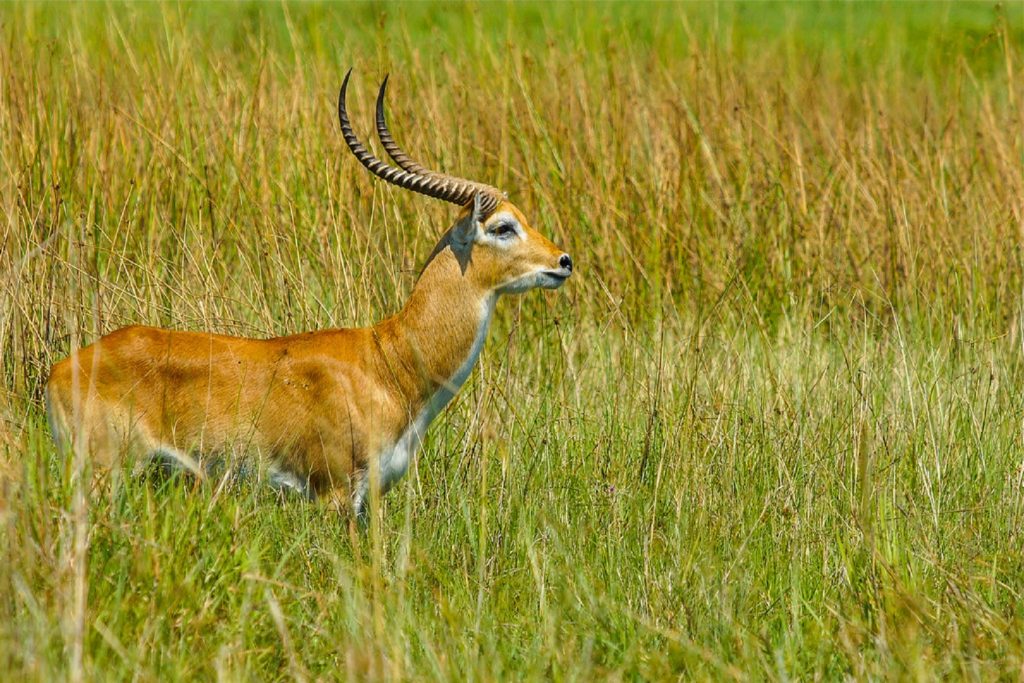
(491, 238)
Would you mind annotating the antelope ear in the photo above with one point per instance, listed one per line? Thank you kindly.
(479, 199)
(465, 231)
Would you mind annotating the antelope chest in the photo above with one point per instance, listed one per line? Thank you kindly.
(394, 461)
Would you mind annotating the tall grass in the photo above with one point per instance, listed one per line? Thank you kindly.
(773, 427)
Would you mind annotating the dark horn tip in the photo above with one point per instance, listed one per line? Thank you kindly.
(380, 95)
(341, 94)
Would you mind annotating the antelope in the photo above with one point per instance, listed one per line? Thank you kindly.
(334, 414)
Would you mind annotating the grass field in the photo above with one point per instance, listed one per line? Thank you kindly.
(773, 427)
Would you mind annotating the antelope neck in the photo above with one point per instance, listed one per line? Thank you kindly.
(439, 333)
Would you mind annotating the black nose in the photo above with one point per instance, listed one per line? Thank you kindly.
(565, 262)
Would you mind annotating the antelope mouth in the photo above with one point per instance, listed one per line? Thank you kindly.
(553, 279)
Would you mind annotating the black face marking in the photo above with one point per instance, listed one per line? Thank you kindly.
(462, 252)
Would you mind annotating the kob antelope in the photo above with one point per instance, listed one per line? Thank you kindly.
(326, 413)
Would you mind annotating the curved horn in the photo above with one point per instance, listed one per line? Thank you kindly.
(437, 185)
(491, 195)
(396, 153)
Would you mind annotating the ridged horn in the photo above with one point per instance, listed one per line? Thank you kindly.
(491, 195)
(411, 176)
(396, 153)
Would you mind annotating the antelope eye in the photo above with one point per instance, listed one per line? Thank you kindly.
(503, 230)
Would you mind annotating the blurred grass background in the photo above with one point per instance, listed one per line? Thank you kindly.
(771, 429)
